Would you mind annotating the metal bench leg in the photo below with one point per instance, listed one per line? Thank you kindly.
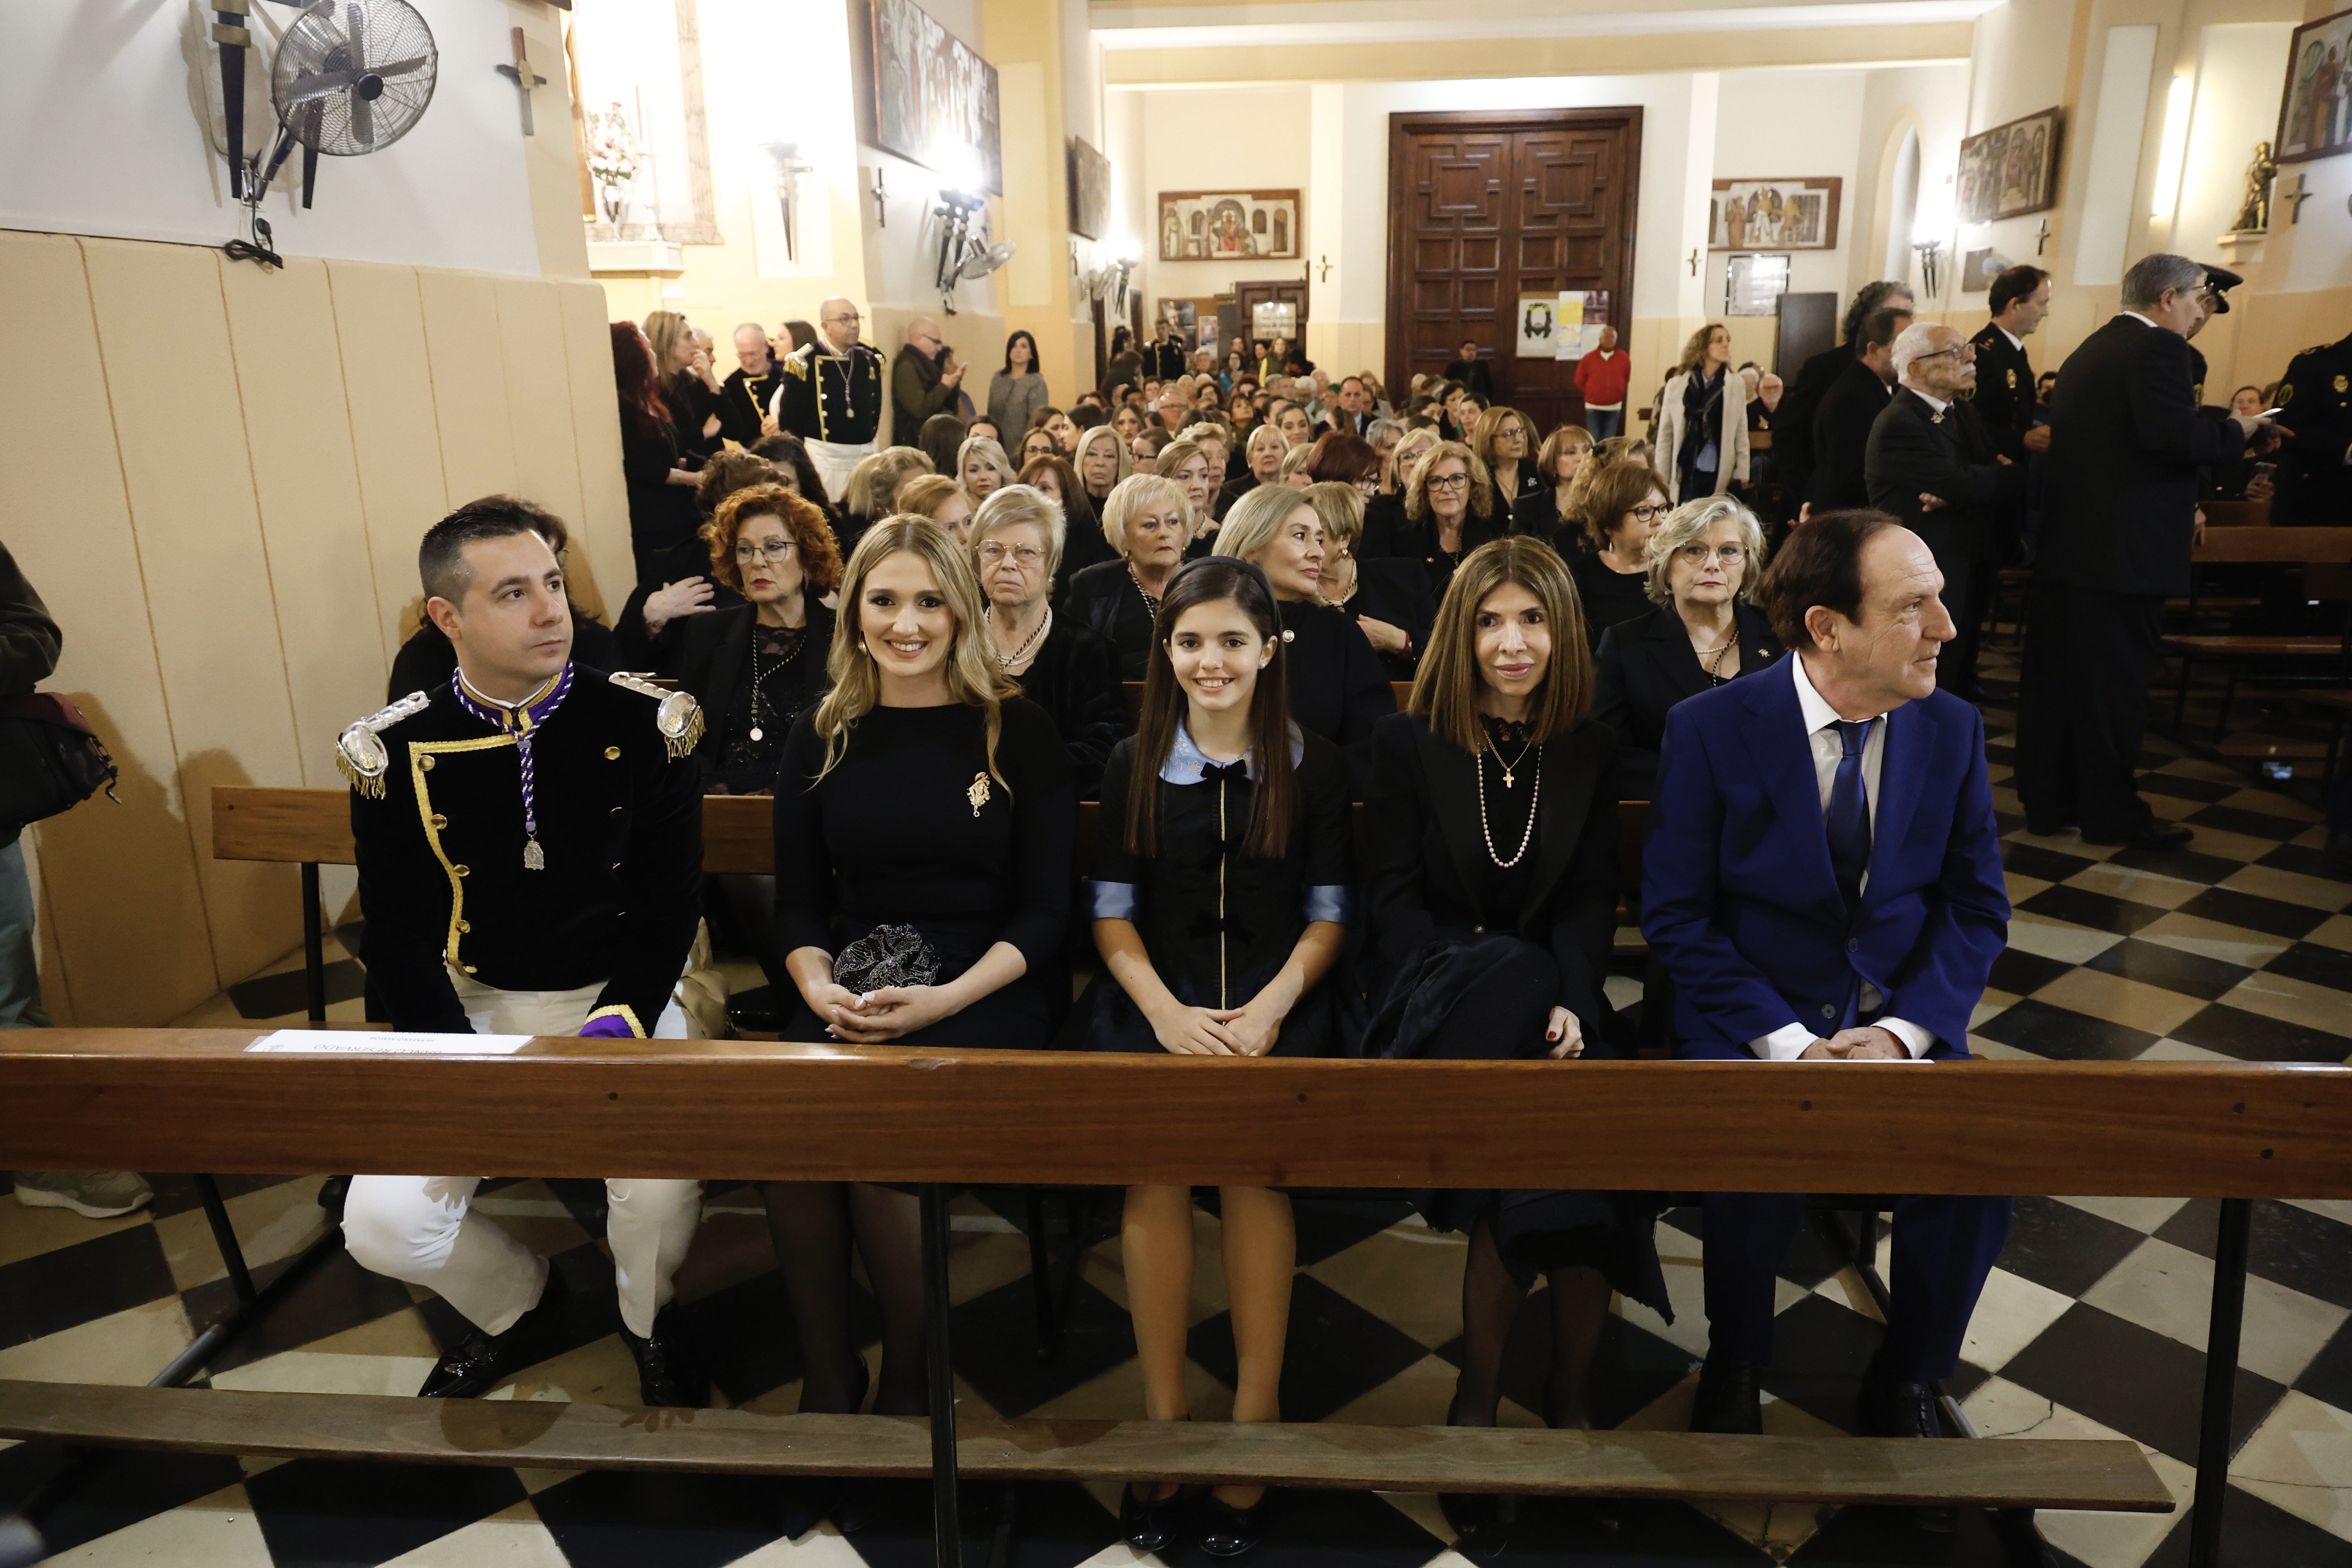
(2180, 699)
(1040, 1273)
(2229, 695)
(2220, 1382)
(240, 1279)
(314, 946)
(947, 1526)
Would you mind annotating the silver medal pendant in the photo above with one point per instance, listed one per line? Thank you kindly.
(533, 858)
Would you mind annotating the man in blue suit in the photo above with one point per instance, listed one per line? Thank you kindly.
(1822, 881)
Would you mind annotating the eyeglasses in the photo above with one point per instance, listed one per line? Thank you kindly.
(1700, 554)
(1649, 513)
(845, 316)
(1966, 352)
(774, 550)
(1024, 555)
(1450, 482)
(1370, 484)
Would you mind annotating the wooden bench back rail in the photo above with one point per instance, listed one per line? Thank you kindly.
(292, 825)
(2282, 546)
(188, 1100)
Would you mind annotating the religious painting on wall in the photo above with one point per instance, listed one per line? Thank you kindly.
(1774, 215)
(1089, 191)
(1229, 225)
(934, 99)
(2315, 111)
(2009, 169)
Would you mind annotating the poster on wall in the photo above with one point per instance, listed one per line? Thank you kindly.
(1235, 225)
(1538, 318)
(2009, 169)
(934, 99)
(1783, 215)
(2315, 109)
(1979, 267)
(1089, 191)
(1581, 315)
(1274, 318)
(1753, 284)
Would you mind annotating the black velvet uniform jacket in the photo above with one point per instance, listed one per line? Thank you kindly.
(440, 859)
(1422, 848)
(2003, 394)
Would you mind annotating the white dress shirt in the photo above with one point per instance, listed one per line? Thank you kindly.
(2014, 341)
(1788, 1042)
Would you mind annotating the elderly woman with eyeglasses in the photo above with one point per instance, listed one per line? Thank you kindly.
(1703, 630)
(1617, 507)
(1062, 666)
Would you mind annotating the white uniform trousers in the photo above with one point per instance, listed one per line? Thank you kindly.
(834, 462)
(419, 1229)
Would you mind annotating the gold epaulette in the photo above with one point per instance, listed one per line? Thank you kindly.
(796, 363)
(360, 754)
(678, 717)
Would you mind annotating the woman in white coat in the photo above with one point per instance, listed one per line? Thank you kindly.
(1702, 444)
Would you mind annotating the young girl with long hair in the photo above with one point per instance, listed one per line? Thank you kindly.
(1220, 898)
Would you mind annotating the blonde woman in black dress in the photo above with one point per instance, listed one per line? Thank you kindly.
(1220, 897)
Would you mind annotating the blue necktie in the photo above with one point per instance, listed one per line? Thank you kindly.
(1849, 814)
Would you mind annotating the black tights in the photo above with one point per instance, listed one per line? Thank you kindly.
(1490, 1302)
(812, 1223)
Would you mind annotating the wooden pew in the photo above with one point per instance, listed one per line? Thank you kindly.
(201, 1099)
(2324, 553)
(312, 828)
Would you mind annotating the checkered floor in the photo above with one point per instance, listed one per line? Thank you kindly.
(2093, 1325)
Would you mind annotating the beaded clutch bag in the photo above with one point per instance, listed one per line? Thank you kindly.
(886, 956)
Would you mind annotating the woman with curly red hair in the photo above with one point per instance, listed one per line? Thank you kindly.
(661, 493)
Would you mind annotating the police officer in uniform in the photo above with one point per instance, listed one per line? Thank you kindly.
(2315, 471)
(529, 852)
(2003, 394)
(831, 395)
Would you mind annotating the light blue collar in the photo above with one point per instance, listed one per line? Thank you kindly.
(1188, 764)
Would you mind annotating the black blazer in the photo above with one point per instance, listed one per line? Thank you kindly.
(2125, 443)
(2003, 394)
(1913, 450)
(1422, 848)
(1645, 667)
(1396, 592)
(710, 656)
(1339, 687)
(1537, 514)
(1104, 599)
(1792, 422)
(1075, 678)
(1840, 437)
(1475, 375)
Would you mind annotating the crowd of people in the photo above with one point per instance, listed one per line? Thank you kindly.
(918, 653)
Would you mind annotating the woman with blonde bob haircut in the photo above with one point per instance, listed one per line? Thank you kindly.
(1103, 461)
(1543, 513)
(939, 498)
(872, 491)
(1387, 598)
(1490, 885)
(1450, 509)
(1147, 522)
(925, 822)
(1062, 666)
(981, 467)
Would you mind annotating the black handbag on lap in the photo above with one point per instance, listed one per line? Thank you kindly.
(50, 761)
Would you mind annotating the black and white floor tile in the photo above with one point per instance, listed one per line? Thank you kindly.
(2235, 947)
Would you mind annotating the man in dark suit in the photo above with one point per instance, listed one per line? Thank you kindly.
(1354, 415)
(1822, 882)
(1840, 426)
(2003, 393)
(1793, 421)
(1470, 371)
(1164, 357)
(1931, 465)
(2118, 521)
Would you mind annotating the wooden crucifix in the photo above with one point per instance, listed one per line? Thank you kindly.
(524, 77)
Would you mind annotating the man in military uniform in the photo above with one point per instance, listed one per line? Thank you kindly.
(2003, 396)
(2315, 466)
(744, 396)
(831, 395)
(529, 851)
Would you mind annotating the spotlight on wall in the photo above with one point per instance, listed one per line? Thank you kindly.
(965, 250)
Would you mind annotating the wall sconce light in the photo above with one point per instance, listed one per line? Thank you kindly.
(789, 170)
(1931, 258)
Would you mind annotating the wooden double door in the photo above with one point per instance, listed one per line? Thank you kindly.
(1485, 209)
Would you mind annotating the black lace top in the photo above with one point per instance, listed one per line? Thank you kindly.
(767, 699)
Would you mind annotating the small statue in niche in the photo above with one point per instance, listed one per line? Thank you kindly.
(2255, 215)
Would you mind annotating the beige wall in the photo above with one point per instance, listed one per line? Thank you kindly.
(226, 472)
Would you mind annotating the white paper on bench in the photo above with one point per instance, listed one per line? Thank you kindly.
(388, 1043)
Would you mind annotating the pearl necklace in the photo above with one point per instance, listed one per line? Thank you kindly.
(1150, 604)
(1534, 799)
(1007, 660)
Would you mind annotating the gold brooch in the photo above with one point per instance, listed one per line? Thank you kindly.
(978, 793)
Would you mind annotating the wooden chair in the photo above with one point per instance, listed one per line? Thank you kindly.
(2326, 555)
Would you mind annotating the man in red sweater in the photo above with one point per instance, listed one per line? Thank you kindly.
(1600, 378)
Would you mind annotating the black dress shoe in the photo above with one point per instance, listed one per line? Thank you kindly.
(1229, 1532)
(477, 1362)
(1727, 1403)
(1153, 1525)
(1891, 1409)
(2157, 835)
(1481, 1521)
(667, 1377)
